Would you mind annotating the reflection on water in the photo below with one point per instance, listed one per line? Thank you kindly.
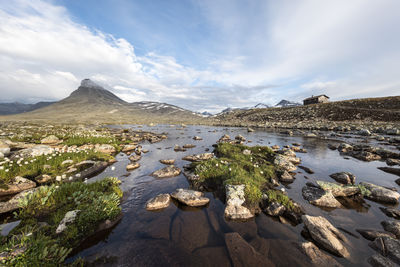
(182, 236)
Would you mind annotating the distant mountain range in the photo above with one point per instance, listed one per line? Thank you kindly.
(92, 103)
(16, 107)
(282, 104)
(286, 103)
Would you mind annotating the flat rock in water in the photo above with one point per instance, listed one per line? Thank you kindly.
(167, 161)
(319, 197)
(318, 257)
(132, 166)
(275, 209)
(306, 169)
(344, 177)
(339, 190)
(326, 235)
(159, 202)
(18, 184)
(135, 158)
(199, 157)
(373, 234)
(381, 194)
(242, 253)
(128, 148)
(190, 197)
(166, 172)
(189, 146)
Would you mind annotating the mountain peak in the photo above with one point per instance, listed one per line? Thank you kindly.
(287, 103)
(89, 83)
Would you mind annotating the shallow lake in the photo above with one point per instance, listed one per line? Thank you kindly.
(182, 236)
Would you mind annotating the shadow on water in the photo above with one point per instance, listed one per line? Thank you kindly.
(184, 236)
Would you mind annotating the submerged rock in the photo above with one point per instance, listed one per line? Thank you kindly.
(159, 202)
(199, 157)
(395, 171)
(344, 178)
(242, 253)
(190, 197)
(318, 257)
(319, 197)
(18, 184)
(166, 172)
(69, 217)
(326, 235)
(380, 194)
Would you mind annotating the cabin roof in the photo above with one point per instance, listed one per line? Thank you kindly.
(315, 96)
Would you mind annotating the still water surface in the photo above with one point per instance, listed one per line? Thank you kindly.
(182, 236)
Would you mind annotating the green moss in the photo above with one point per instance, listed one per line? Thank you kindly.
(281, 198)
(35, 166)
(364, 191)
(233, 167)
(97, 202)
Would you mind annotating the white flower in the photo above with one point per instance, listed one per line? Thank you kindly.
(7, 170)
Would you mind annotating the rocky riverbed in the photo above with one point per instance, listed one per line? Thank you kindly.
(318, 197)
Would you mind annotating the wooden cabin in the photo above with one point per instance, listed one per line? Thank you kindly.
(316, 99)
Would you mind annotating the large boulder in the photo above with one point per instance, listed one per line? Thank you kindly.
(235, 199)
(344, 178)
(380, 194)
(199, 157)
(319, 197)
(159, 202)
(50, 140)
(190, 197)
(166, 172)
(326, 235)
(18, 184)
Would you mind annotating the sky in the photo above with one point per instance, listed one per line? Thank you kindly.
(202, 55)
